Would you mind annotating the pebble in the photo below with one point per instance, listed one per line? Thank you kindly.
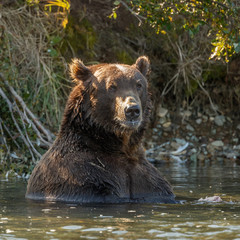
(180, 141)
(201, 156)
(238, 126)
(187, 113)
(194, 150)
(231, 155)
(219, 120)
(194, 139)
(217, 143)
(190, 128)
(211, 150)
(199, 121)
(193, 157)
(175, 145)
(155, 137)
(165, 134)
(205, 118)
(213, 131)
(211, 119)
(235, 140)
(162, 120)
(167, 124)
(162, 112)
(237, 147)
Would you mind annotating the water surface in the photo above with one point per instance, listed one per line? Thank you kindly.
(25, 219)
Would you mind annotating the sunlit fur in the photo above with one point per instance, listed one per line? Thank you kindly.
(97, 155)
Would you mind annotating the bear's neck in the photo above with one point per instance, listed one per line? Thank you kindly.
(77, 131)
(80, 134)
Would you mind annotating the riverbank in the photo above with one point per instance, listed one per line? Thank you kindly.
(189, 136)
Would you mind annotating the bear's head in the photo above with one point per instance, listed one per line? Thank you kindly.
(110, 96)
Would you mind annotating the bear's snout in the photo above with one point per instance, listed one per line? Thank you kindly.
(128, 112)
(132, 112)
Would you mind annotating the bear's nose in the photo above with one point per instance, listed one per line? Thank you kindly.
(132, 112)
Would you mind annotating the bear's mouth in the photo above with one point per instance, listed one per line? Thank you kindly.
(132, 124)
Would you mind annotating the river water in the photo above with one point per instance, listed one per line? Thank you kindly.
(191, 219)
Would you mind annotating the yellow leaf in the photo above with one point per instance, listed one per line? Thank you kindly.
(65, 22)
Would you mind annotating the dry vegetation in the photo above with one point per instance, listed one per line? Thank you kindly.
(33, 81)
(34, 84)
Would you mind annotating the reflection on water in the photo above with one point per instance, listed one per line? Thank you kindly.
(24, 219)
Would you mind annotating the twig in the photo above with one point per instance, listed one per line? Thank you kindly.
(31, 123)
(10, 107)
(210, 100)
(26, 133)
(9, 133)
(3, 138)
(46, 132)
(139, 17)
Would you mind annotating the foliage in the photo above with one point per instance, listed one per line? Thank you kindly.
(63, 9)
(222, 17)
(80, 38)
(32, 65)
(39, 37)
(60, 7)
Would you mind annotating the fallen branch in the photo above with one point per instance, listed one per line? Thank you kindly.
(10, 107)
(46, 132)
(9, 133)
(26, 133)
(4, 140)
(17, 107)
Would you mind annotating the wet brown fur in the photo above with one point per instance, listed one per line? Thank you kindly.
(95, 158)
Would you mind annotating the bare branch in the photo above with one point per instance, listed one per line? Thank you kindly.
(10, 107)
(139, 17)
(4, 140)
(9, 133)
(26, 133)
(46, 132)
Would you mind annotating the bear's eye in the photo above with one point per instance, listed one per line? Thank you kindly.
(113, 88)
(139, 85)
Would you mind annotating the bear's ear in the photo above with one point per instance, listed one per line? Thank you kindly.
(143, 65)
(78, 71)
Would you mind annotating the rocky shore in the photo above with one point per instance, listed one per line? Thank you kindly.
(190, 136)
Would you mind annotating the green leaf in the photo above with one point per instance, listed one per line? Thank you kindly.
(53, 52)
(191, 34)
(55, 40)
(236, 47)
(116, 3)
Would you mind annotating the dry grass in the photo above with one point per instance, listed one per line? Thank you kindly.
(33, 85)
(187, 72)
(188, 69)
(27, 35)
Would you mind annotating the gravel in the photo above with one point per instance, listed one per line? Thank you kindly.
(192, 137)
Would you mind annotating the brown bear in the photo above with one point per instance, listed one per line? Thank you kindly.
(98, 154)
